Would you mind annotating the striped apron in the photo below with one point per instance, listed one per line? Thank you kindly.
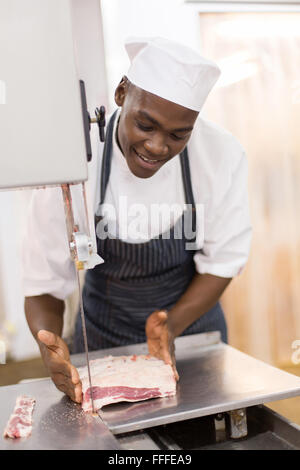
(138, 278)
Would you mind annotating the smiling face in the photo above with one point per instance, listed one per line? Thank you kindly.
(151, 130)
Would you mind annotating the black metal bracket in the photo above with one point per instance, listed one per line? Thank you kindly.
(100, 116)
(86, 122)
(100, 120)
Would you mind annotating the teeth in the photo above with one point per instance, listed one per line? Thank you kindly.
(147, 159)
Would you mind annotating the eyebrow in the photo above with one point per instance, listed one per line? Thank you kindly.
(145, 115)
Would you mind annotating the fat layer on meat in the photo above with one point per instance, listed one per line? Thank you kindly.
(126, 378)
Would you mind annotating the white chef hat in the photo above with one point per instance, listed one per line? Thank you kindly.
(171, 70)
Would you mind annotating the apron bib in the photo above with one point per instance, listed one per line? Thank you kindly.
(138, 278)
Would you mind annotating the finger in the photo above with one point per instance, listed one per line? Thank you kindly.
(74, 393)
(176, 375)
(78, 393)
(159, 318)
(70, 392)
(63, 387)
(156, 319)
(172, 349)
(167, 357)
(163, 353)
(57, 365)
(170, 360)
(74, 375)
(168, 354)
(166, 346)
(153, 347)
(158, 345)
(162, 315)
(67, 373)
(48, 338)
(67, 387)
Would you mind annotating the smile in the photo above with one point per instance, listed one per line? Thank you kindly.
(147, 159)
(149, 162)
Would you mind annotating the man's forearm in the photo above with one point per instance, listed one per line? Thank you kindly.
(44, 312)
(202, 294)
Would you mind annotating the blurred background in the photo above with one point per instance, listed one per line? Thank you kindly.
(257, 46)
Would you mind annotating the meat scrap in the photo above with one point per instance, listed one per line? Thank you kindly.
(126, 378)
(20, 422)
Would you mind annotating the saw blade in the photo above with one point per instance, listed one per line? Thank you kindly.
(85, 339)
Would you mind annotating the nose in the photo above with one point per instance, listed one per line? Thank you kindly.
(156, 146)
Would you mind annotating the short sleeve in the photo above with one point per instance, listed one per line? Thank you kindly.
(46, 264)
(227, 228)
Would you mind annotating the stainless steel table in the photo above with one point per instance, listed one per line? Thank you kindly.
(59, 423)
(214, 378)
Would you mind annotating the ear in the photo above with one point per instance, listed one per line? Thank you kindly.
(121, 92)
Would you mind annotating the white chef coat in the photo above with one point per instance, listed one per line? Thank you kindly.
(219, 180)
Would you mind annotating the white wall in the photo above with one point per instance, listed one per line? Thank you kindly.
(172, 19)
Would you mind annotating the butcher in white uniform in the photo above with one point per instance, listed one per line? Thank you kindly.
(171, 217)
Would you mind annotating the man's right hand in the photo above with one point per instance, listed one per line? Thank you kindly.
(56, 356)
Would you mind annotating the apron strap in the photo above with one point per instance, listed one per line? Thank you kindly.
(187, 183)
(106, 161)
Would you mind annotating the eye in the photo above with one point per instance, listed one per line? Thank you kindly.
(143, 127)
(176, 137)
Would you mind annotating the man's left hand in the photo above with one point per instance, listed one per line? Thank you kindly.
(160, 339)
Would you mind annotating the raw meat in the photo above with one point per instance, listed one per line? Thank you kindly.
(126, 378)
(20, 422)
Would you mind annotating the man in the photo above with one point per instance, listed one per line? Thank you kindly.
(163, 279)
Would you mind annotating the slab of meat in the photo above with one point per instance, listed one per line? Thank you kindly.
(126, 378)
(20, 422)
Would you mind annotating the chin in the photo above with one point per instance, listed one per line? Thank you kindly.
(138, 171)
(141, 173)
